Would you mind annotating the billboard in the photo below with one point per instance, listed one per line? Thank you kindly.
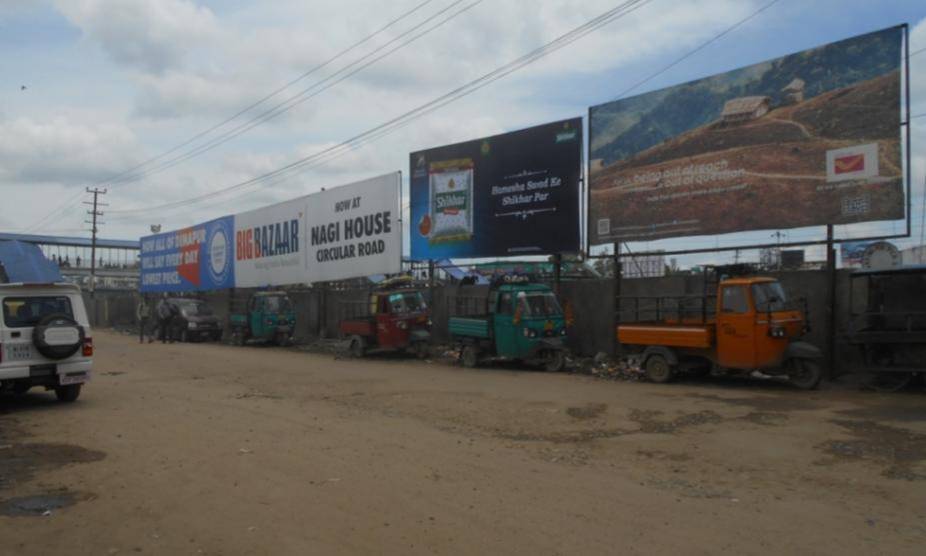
(807, 139)
(344, 232)
(340, 233)
(510, 194)
(197, 258)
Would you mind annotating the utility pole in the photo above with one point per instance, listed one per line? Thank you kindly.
(778, 235)
(94, 212)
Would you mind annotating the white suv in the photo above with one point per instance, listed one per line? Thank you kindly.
(44, 339)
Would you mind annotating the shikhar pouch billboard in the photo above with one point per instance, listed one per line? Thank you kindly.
(808, 139)
(510, 194)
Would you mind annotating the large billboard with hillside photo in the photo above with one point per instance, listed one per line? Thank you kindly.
(809, 139)
(508, 195)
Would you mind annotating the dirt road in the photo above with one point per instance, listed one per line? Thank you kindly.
(210, 449)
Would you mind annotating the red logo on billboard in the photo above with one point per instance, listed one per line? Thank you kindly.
(188, 269)
(849, 164)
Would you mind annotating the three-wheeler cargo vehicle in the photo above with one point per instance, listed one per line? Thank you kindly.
(395, 317)
(269, 318)
(887, 325)
(748, 326)
(523, 322)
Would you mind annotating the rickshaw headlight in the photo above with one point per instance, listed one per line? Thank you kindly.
(776, 332)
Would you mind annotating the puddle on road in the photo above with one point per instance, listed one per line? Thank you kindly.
(899, 451)
(39, 505)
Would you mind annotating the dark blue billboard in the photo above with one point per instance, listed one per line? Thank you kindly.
(192, 259)
(513, 194)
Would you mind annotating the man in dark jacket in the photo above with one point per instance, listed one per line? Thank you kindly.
(165, 314)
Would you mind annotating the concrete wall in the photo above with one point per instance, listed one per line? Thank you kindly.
(591, 302)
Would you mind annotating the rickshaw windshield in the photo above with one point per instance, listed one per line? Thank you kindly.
(408, 302)
(769, 296)
(540, 305)
(276, 304)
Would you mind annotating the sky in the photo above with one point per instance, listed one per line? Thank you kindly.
(92, 88)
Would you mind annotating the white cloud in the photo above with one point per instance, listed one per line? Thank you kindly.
(61, 151)
(149, 35)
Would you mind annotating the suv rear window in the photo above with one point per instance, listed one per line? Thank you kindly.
(22, 312)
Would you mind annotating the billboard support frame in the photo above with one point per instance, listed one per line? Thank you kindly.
(905, 124)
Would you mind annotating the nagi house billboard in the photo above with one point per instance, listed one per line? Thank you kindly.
(507, 195)
(808, 139)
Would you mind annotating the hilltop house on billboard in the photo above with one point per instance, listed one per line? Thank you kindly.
(794, 91)
(744, 109)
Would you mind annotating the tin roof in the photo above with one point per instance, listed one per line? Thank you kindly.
(744, 105)
(71, 241)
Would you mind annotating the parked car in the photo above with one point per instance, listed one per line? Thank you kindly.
(45, 339)
(194, 320)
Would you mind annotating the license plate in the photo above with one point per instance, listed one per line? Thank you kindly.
(18, 352)
(64, 380)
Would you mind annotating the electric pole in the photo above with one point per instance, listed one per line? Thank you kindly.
(94, 213)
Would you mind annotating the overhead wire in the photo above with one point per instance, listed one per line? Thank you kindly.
(393, 124)
(310, 92)
(63, 208)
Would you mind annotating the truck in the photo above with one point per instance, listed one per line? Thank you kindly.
(747, 327)
(269, 318)
(394, 317)
(523, 321)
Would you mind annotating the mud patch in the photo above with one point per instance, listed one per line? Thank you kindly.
(790, 402)
(690, 489)
(589, 411)
(663, 456)
(19, 463)
(651, 424)
(765, 418)
(40, 505)
(565, 437)
(893, 412)
(258, 395)
(898, 450)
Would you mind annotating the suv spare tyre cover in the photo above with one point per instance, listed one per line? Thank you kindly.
(57, 336)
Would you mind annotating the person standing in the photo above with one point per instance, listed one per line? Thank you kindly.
(143, 316)
(164, 319)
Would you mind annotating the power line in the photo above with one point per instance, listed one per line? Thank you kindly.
(117, 177)
(377, 132)
(276, 92)
(305, 95)
(699, 48)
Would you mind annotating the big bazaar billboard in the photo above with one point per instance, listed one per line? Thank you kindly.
(808, 139)
(344, 232)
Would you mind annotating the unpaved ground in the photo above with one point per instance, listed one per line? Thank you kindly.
(209, 449)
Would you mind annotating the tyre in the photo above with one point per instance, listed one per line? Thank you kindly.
(67, 394)
(48, 333)
(658, 369)
(470, 357)
(804, 373)
(357, 347)
(890, 382)
(554, 361)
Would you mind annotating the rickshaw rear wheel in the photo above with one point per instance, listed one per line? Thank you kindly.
(890, 382)
(658, 369)
(470, 357)
(804, 373)
(554, 361)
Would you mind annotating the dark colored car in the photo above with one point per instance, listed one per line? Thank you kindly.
(194, 320)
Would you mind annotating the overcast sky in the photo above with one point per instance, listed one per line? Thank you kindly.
(111, 83)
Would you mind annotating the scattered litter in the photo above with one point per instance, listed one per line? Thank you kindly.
(605, 366)
(334, 480)
(244, 451)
